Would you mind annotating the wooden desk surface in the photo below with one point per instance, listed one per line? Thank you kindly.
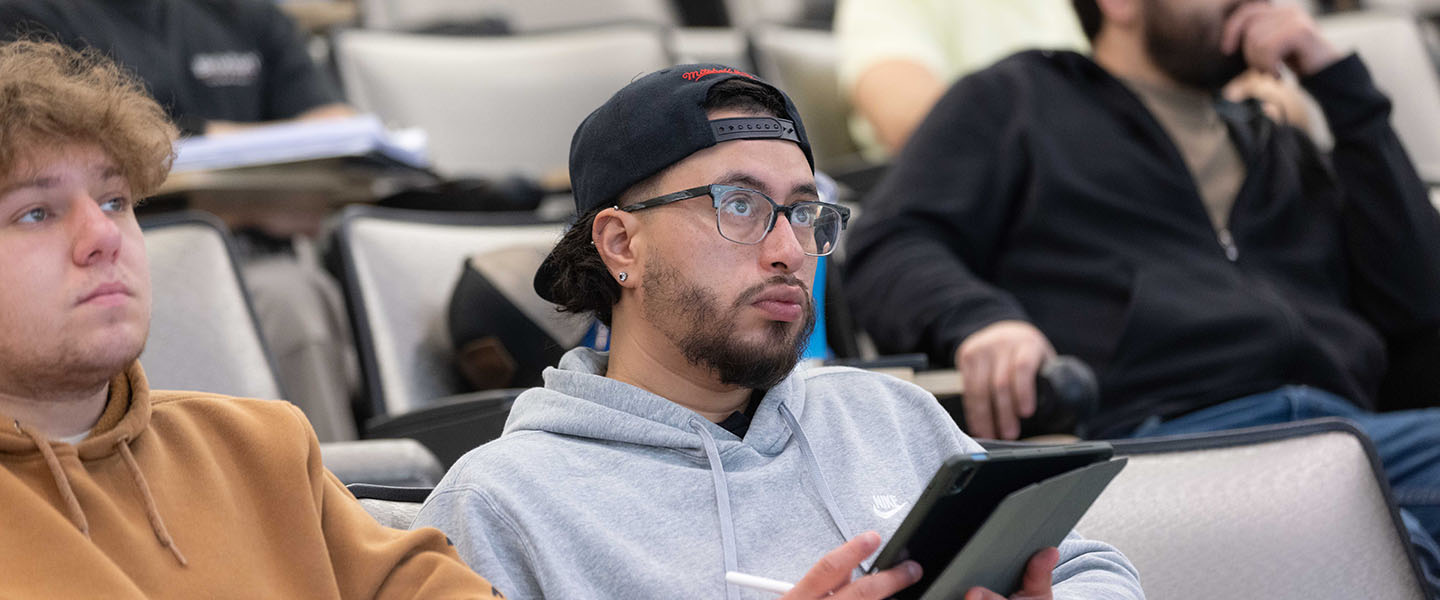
(940, 382)
(288, 199)
(318, 15)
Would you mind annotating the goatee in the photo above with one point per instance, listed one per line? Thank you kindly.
(709, 338)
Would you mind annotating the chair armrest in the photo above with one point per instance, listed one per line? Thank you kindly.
(394, 507)
(392, 462)
(452, 426)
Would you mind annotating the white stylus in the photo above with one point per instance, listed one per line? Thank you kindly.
(757, 582)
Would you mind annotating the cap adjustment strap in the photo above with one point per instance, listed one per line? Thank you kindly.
(741, 128)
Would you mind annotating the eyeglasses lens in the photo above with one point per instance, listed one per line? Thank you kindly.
(744, 217)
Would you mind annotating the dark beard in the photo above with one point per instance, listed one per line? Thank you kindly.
(1188, 50)
(710, 337)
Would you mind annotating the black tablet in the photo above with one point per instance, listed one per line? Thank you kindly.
(961, 497)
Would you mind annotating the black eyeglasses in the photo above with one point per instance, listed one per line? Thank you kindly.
(741, 216)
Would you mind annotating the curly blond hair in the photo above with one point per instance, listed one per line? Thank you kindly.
(51, 95)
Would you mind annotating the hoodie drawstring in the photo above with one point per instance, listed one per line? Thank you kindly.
(722, 499)
(151, 510)
(72, 504)
(818, 478)
(62, 482)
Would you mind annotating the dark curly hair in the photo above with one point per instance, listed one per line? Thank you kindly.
(51, 95)
(582, 283)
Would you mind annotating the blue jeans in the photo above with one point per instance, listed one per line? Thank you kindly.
(1408, 443)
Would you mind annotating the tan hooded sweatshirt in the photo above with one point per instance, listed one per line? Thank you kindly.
(191, 495)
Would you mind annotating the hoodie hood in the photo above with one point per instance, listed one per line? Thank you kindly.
(125, 418)
(126, 415)
(578, 400)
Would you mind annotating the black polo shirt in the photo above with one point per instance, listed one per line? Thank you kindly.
(231, 60)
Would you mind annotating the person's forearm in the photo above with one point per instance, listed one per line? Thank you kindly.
(942, 210)
(333, 110)
(894, 96)
(1392, 232)
(912, 293)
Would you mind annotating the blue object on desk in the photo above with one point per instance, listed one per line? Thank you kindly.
(817, 346)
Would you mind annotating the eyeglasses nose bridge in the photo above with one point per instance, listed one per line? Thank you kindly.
(789, 210)
(775, 212)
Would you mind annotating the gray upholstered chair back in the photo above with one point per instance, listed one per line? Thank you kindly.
(520, 15)
(1292, 512)
(494, 105)
(802, 62)
(395, 515)
(203, 334)
(749, 14)
(400, 269)
(392, 506)
(399, 461)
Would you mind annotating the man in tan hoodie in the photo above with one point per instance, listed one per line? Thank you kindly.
(109, 489)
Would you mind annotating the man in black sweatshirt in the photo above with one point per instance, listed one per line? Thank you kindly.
(1214, 267)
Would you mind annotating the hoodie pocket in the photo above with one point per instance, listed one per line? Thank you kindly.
(1182, 329)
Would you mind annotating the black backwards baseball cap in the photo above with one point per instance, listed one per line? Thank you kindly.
(652, 123)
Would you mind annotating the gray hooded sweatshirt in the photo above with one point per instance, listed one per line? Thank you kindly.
(599, 489)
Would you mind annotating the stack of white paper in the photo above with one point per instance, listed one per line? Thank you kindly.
(296, 141)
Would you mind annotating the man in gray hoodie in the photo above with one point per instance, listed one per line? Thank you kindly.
(693, 447)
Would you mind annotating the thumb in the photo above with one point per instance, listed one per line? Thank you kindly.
(1038, 574)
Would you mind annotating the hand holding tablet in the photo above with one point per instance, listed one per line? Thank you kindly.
(986, 526)
(983, 517)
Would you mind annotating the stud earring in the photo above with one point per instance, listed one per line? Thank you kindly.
(624, 276)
